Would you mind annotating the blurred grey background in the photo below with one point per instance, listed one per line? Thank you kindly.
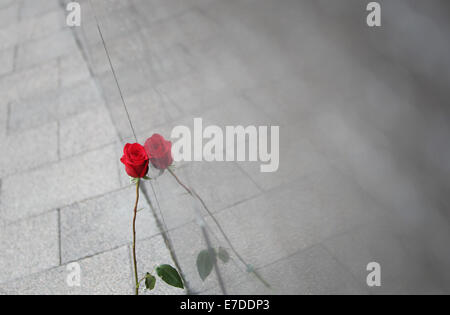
(364, 143)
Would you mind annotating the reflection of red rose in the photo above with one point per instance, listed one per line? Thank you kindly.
(135, 160)
(159, 150)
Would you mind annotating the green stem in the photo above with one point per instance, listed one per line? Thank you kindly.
(136, 278)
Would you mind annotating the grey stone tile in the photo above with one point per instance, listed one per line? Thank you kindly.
(215, 56)
(289, 219)
(4, 4)
(3, 117)
(133, 50)
(151, 253)
(190, 26)
(73, 69)
(168, 64)
(7, 38)
(107, 7)
(188, 241)
(109, 273)
(40, 26)
(30, 82)
(220, 185)
(54, 105)
(84, 95)
(147, 109)
(98, 59)
(132, 79)
(33, 112)
(33, 8)
(116, 19)
(86, 131)
(402, 271)
(159, 10)
(28, 149)
(158, 66)
(29, 246)
(310, 272)
(7, 60)
(196, 91)
(104, 274)
(289, 100)
(298, 158)
(165, 130)
(297, 155)
(37, 51)
(366, 154)
(159, 44)
(250, 27)
(103, 8)
(9, 13)
(85, 176)
(227, 185)
(32, 28)
(130, 49)
(235, 111)
(103, 223)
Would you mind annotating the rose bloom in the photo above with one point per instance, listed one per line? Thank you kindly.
(135, 160)
(159, 150)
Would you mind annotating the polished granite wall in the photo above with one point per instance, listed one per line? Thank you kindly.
(364, 157)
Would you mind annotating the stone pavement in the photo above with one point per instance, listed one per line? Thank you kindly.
(363, 113)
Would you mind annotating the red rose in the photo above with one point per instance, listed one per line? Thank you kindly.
(159, 151)
(135, 160)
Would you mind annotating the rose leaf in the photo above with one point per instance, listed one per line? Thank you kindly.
(170, 276)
